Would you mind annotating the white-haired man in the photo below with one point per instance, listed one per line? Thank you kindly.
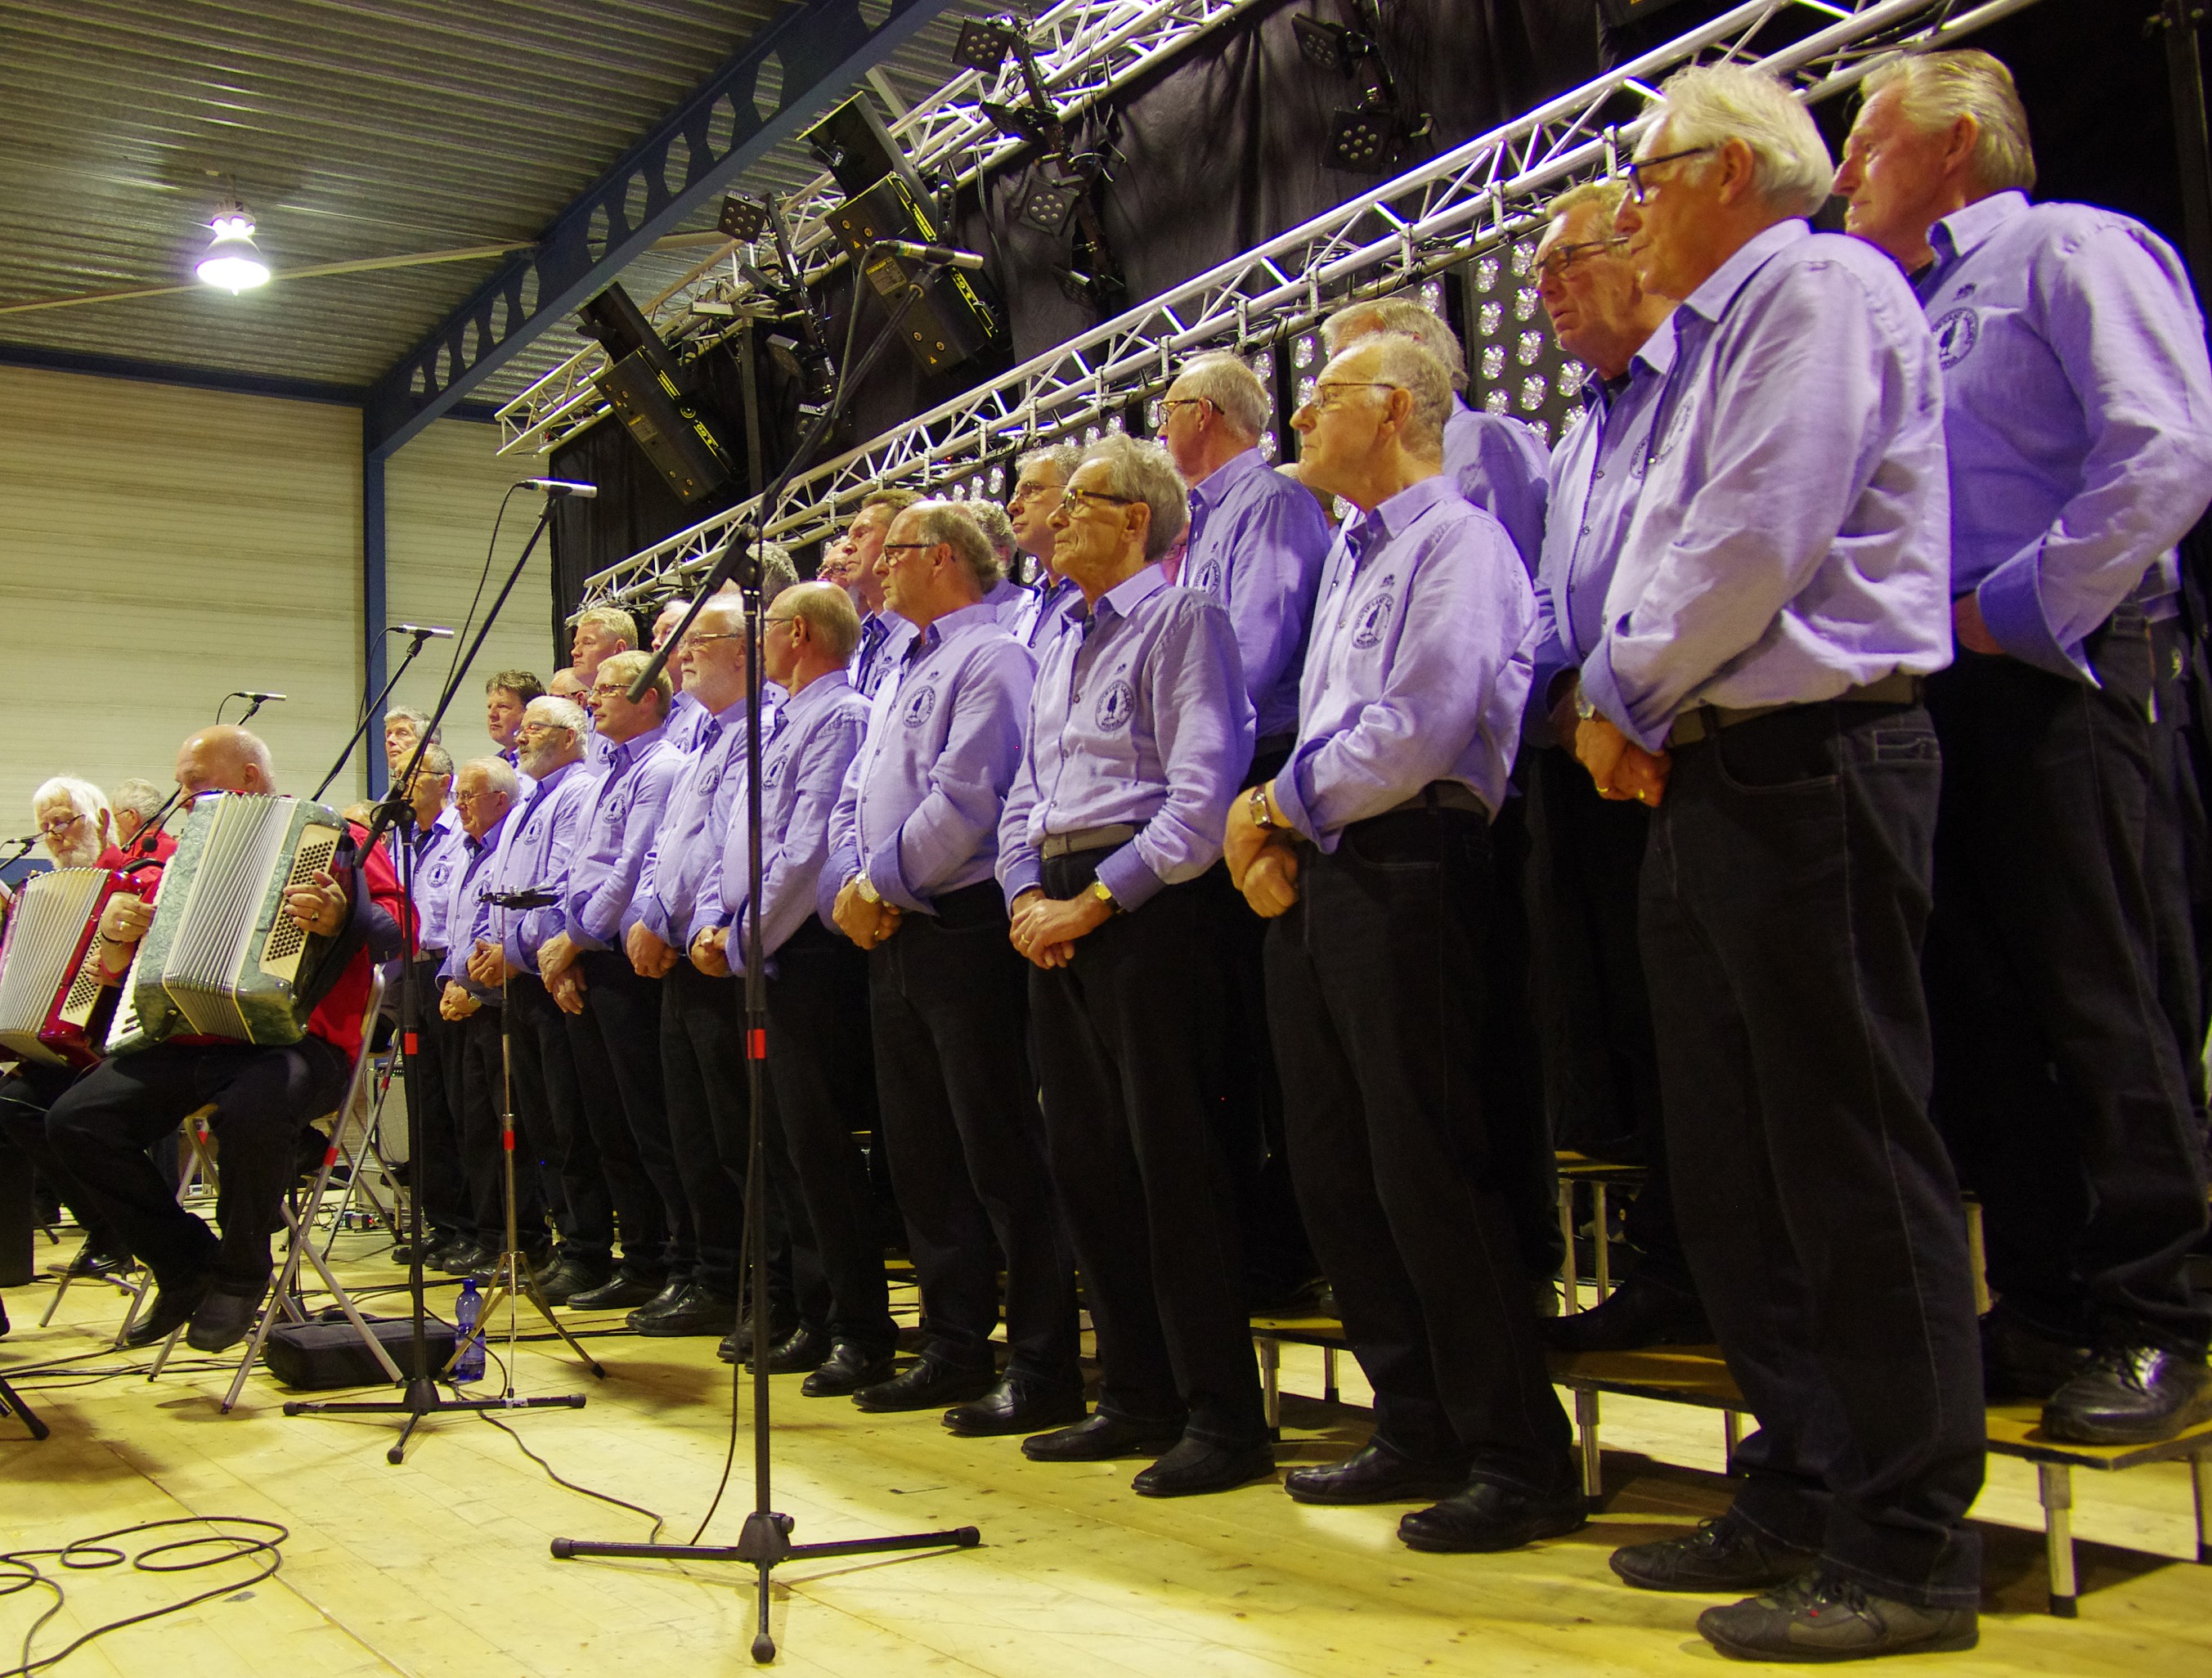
(403, 732)
(685, 717)
(1761, 669)
(2078, 410)
(1040, 480)
(1601, 1082)
(72, 820)
(136, 802)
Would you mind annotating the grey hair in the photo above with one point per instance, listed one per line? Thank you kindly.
(1939, 88)
(436, 760)
(1404, 317)
(1606, 192)
(998, 529)
(617, 621)
(1061, 457)
(499, 775)
(1144, 472)
(1709, 105)
(420, 719)
(560, 713)
(952, 524)
(1411, 366)
(779, 571)
(84, 798)
(1233, 388)
(141, 797)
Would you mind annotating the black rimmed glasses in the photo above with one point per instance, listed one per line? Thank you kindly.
(1637, 188)
(1560, 260)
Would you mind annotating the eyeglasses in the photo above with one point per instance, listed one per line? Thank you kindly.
(600, 691)
(1100, 498)
(1562, 258)
(1637, 188)
(542, 728)
(1326, 396)
(899, 547)
(696, 640)
(1169, 403)
(55, 829)
(772, 622)
(1027, 492)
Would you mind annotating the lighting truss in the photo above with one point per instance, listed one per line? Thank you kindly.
(1086, 49)
(1457, 207)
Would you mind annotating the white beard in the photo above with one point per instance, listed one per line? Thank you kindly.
(81, 855)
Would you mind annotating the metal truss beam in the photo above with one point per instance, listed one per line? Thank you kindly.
(1087, 50)
(780, 78)
(1434, 217)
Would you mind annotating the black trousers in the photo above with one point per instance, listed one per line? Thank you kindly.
(263, 1098)
(1785, 899)
(947, 1003)
(821, 1065)
(1593, 1008)
(481, 1038)
(1508, 1060)
(549, 1117)
(617, 1044)
(26, 1094)
(432, 1067)
(1132, 1055)
(1374, 988)
(702, 1054)
(2060, 1083)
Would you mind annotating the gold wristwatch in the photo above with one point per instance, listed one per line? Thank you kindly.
(868, 893)
(1104, 895)
(1262, 816)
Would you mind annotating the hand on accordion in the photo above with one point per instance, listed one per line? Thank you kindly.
(321, 905)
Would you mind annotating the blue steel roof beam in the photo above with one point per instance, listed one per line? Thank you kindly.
(815, 51)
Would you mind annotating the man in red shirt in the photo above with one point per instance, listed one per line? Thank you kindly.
(262, 1096)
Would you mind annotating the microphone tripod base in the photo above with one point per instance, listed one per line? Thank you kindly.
(422, 1400)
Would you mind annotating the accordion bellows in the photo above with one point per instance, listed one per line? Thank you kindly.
(222, 958)
(50, 967)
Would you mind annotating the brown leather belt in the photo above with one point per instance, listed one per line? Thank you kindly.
(1442, 795)
(1087, 839)
(1690, 728)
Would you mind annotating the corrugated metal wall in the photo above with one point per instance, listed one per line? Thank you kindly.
(161, 546)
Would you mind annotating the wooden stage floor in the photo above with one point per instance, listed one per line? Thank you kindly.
(441, 1566)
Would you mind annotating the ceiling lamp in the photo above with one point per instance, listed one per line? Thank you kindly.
(232, 263)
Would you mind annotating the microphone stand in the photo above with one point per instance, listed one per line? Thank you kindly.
(765, 1542)
(375, 707)
(396, 811)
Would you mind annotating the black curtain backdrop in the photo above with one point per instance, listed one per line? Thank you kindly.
(1223, 148)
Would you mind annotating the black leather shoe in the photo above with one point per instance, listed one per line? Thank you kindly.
(803, 1349)
(927, 1385)
(2018, 1361)
(1017, 1405)
(569, 1277)
(91, 1262)
(736, 1348)
(1489, 1516)
(172, 1308)
(849, 1367)
(222, 1320)
(698, 1310)
(1197, 1465)
(2131, 1396)
(671, 1292)
(621, 1291)
(1644, 1310)
(1818, 1618)
(462, 1257)
(1723, 1555)
(1101, 1437)
(1375, 1474)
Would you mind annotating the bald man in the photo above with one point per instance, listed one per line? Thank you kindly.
(263, 1096)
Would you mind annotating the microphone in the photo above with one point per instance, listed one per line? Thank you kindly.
(558, 487)
(427, 631)
(943, 255)
(259, 699)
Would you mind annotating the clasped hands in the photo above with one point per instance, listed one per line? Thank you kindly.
(867, 924)
(1263, 861)
(1622, 769)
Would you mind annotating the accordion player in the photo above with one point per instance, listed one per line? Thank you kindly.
(51, 988)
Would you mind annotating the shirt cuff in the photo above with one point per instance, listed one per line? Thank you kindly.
(1536, 716)
(1129, 878)
(2011, 599)
(889, 880)
(1295, 800)
(1604, 693)
(1024, 872)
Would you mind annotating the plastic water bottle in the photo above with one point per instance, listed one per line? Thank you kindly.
(466, 1310)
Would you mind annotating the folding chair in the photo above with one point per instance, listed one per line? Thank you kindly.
(300, 1212)
(195, 1155)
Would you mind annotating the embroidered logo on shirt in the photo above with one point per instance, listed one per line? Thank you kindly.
(919, 707)
(1207, 577)
(1955, 336)
(1376, 619)
(1116, 705)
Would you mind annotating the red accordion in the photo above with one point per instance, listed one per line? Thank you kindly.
(50, 988)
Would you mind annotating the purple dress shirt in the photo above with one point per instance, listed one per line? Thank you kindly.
(619, 828)
(471, 921)
(687, 849)
(1418, 666)
(919, 813)
(1597, 471)
(884, 637)
(2077, 404)
(1501, 467)
(535, 855)
(687, 719)
(1139, 716)
(1048, 611)
(1256, 542)
(804, 764)
(1793, 536)
(1009, 600)
(434, 871)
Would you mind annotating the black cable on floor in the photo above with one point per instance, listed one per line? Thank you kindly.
(551, 1474)
(94, 1553)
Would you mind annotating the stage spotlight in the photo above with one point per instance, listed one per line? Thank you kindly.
(1362, 142)
(743, 218)
(982, 44)
(1018, 122)
(1367, 137)
(1051, 198)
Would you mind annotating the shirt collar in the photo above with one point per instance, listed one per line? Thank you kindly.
(817, 693)
(1209, 490)
(546, 783)
(1712, 298)
(492, 833)
(636, 746)
(1395, 515)
(1125, 595)
(1963, 230)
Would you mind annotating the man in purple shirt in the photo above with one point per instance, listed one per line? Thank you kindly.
(1601, 1070)
(851, 564)
(508, 693)
(1781, 591)
(2077, 402)
(613, 1011)
(819, 1065)
(601, 632)
(1372, 848)
(433, 843)
(1139, 732)
(1040, 479)
(909, 879)
(685, 716)
(549, 1102)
